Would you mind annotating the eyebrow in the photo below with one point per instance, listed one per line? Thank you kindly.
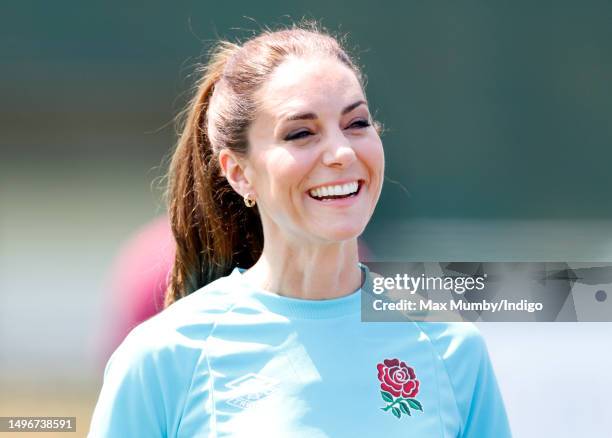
(312, 116)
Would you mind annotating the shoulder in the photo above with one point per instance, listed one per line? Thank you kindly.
(464, 331)
(457, 344)
(150, 375)
(202, 307)
(181, 329)
(463, 352)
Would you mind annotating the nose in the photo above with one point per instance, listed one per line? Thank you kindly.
(338, 151)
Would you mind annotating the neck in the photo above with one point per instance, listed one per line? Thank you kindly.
(307, 271)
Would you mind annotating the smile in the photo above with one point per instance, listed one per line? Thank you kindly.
(346, 190)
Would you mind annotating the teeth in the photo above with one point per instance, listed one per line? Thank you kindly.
(345, 189)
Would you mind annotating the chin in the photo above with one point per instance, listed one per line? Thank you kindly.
(340, 233)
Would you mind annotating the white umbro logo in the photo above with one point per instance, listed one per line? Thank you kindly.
(250, 388)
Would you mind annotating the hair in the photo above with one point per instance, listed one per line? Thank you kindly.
(213, 228)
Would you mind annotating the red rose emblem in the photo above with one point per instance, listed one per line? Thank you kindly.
(398, 386)
(397, 378)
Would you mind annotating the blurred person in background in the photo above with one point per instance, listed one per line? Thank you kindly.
(138, 280)
(277, 172)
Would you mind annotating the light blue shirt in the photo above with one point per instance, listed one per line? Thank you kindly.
(230, 360)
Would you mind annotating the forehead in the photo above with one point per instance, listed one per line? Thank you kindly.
(307, 83)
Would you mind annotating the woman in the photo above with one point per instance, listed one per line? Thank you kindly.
(277, 172)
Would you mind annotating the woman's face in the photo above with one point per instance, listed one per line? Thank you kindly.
(313, 137)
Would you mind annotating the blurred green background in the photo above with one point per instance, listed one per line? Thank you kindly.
(498, 134)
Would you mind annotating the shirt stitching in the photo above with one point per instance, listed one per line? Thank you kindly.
(435, 353)
(204, 356)
(212, 379)
(189, 389)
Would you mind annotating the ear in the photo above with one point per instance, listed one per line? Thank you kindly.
(233, 168)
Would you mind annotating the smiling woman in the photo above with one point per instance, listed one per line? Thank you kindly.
(277, 172)
(312, 133)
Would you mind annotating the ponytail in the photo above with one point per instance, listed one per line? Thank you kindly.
(213, 228)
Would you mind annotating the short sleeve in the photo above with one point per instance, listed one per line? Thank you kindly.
(466, 359)
(131, 399)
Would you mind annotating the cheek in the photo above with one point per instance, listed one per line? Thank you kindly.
(373, 156)
(285, 171)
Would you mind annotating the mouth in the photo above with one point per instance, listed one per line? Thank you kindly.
(329, 193)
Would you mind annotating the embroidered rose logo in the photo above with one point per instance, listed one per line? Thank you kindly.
(399, 386)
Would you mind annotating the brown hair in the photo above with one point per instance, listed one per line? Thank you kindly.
(213, 229)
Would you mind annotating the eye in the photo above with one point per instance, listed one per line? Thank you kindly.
(362, 123)
(296, 135)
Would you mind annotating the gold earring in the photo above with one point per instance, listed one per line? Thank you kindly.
(248, 201)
